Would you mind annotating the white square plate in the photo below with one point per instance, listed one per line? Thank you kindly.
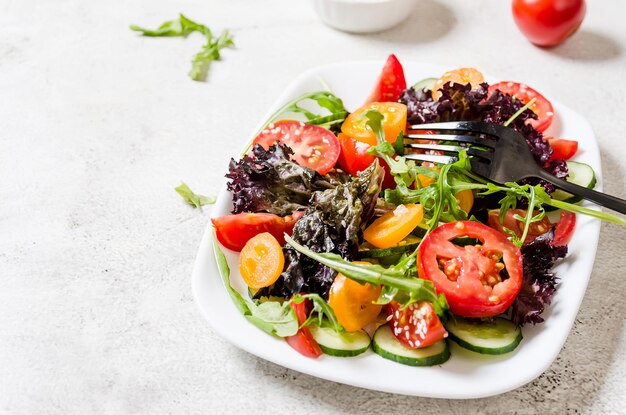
(466, 374)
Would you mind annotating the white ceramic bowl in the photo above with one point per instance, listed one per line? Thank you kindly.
(363, 16)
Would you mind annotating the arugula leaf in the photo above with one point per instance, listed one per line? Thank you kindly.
(192, 198)
(320, 310)
(271, 316)
(274, 318)
(335, 111)
(183, 27)
(398, 276)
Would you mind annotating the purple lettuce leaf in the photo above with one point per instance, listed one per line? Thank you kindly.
(271, 182)
(538, 283)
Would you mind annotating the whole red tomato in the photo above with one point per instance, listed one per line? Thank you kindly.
(548, 22)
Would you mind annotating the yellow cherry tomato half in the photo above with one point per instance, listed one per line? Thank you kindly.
(261, 261)
(465, 199)
(394, 226)
(352, 302)
(460, 76)
(394, 122)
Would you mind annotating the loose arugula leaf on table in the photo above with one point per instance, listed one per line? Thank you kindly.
(192, 198)
(183, 27)
(272, 317)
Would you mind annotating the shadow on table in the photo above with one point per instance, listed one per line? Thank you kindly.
(429, 21)
(587, 45)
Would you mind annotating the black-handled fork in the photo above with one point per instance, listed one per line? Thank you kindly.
(499, 154)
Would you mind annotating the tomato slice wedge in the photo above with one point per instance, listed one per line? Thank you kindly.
(415, 326)
(233, 231)
(313, 146)
(564, 229)
(472, 277)
(303, 341)
(354, 159)
(390, 84)
(563, 149)
(542, 107)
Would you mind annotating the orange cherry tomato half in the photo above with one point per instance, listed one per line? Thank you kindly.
(471, 276)
(562, 149)
(391, 82)
(465, 199)
(394, 122)
(417, 325)
(352, 302)
(313, 146)
(542, 107)
(461, 76)
(394, 226)
(261, 261)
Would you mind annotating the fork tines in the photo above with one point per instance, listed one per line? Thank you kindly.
(467, 134)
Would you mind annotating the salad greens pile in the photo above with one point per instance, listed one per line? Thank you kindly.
(327, 240)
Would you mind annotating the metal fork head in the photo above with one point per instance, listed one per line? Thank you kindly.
(497, 153)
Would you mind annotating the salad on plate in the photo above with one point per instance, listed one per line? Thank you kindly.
(346, 245)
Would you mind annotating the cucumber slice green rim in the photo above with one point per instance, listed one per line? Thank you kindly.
(387, 346)
(347, 344)
(579, 173)
(488, 337)
(427, 83)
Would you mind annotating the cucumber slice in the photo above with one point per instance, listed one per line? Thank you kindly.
(487, 337)
(408, 245)
(579, 173)
(427, 83)
(342, 345)
(386, 345)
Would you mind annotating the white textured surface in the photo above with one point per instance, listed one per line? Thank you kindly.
(98, 125)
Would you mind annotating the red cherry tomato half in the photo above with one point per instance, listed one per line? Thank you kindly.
(564, 229)
(313, 146)
(542, 107)
(534, 230)
(563, 149)
(417, 325)
(354, 159)
(471, 277)
(303, 341)
(548, 22)
(233, 231)
(390, 83)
